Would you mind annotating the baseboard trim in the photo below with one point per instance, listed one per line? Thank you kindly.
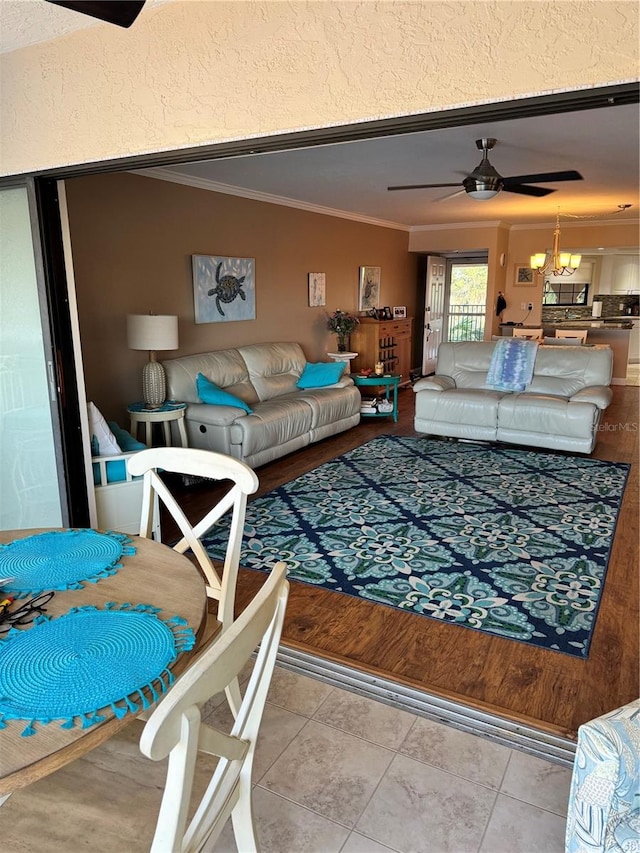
(541, 744)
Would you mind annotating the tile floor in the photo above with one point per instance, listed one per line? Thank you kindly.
(334, 772)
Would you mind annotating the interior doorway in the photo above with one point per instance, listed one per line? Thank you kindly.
(455, 302)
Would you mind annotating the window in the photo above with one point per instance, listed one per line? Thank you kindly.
(565, 292)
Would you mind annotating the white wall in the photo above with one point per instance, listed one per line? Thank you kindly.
(201, 71)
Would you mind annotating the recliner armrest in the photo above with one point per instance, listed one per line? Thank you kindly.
(216, 415)
(434, 383)
(599, 395)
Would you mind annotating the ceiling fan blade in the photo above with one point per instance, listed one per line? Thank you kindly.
(522, 190)
(543, 178)
(423, 186)
(120, 12)
(450, 195)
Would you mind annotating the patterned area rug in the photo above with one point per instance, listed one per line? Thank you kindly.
(508, 541)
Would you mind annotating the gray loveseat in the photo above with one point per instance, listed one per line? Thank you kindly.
(284, 418)
(560, 408)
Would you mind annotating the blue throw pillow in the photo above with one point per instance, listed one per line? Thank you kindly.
(321, 374)
(210, 393)
(126, 441)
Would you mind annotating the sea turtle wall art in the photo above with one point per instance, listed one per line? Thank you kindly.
(223, 288)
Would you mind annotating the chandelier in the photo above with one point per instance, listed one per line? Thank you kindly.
(560, 263)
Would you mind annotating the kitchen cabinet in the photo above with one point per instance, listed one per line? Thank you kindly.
(625, 274)
(388, 341)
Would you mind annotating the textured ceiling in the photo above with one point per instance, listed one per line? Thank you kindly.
(352, 177)
(27, 22)
(601, 144)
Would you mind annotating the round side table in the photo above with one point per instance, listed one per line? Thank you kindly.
(169, 411)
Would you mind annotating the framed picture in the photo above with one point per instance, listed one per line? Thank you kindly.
(399, 312)
(387, 313)
(317, 289)
(224, 288)
(524, 275)
(369, 288)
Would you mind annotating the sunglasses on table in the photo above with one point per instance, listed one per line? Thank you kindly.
(15, 617)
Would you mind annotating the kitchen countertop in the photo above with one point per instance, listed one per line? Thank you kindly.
(579, 323)
(586, 323)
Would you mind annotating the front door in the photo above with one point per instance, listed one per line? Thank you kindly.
(434, 312)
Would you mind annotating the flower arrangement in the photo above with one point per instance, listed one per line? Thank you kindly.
(342, 323)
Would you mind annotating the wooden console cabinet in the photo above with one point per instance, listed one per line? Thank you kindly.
(388, 341)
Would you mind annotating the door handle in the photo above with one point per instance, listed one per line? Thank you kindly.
(51, 377)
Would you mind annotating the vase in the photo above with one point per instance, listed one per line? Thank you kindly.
(343, 343)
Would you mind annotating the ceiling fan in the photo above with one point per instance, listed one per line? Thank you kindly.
(120, 12)
(485, 182)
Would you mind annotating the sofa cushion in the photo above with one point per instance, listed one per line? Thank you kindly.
(543, 413)
(565, 370)
(211, 394)
(467, 362)
(273, 369)
(226, 368)
(331, 405)
(321, 374)
(272, 423)
(460, 406)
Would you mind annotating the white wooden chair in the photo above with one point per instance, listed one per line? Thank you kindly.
(531, 334)
(214, 466)
(175, 729)
(572, 334)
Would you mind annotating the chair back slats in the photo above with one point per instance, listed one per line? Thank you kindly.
(175, 727)
(572, 334)
(213, 466)
(240, 481)
(530, 334)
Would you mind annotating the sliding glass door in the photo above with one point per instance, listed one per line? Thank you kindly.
(32, 493)
(466, 302)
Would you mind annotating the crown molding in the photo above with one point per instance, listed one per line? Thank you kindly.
(170, 175)
(164, 174)
(453, 226)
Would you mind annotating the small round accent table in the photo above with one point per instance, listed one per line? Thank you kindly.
(169, 411)
(388, 381)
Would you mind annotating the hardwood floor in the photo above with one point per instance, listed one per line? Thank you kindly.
(548, 690)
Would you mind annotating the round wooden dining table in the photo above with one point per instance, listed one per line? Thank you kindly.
(155, 575)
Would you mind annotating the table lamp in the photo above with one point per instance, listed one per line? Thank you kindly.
(152, 332)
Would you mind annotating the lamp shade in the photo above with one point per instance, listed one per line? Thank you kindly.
(152, 331)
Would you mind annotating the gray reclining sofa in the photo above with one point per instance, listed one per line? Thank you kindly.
(264, 376)
(560, 409)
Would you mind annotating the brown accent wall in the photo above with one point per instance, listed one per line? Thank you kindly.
(132, 239)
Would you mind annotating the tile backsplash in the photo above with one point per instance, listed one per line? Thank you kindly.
(611, 307)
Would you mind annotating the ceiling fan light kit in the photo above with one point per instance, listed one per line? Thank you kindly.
(485, 182)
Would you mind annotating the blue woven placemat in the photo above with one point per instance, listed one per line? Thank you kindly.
(86, 660)
(61, 559)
